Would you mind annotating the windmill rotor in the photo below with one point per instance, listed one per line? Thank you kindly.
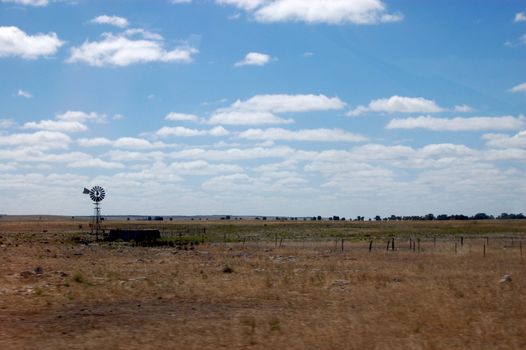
(97, 194)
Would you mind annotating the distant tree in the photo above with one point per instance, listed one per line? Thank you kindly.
(377, 218)
(442, 217)
(336, 218)
(481, 216)
(429, 217)
(319, 217)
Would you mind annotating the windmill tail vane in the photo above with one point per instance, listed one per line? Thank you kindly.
(86, 191)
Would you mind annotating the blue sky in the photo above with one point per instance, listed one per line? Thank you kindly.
(263, 107)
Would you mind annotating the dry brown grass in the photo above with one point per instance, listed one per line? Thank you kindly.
(304, 295)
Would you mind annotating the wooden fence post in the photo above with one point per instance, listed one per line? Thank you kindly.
(418, 245)
(461, 241)
(392, 244)
(371, 247)
(342, 244)
(484, 249)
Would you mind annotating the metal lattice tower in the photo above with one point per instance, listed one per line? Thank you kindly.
(96, 194)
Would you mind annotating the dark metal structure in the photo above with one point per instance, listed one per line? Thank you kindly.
(96, 194)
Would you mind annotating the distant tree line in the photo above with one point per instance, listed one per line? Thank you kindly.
(443, 217)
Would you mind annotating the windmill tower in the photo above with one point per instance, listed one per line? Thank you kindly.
(96, 194)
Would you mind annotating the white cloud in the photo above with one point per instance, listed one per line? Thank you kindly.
(136, 143)
(243, 4)
(81, 117)
(218, 131)
(326, 135)
(6, 123)
(317, 11)
(235, 117)
(181, 1)
(281, 103)
(505, 141)
(143, 33)
(398, 104)
(15, 42)
(23, 93)
(39, 139)
(254, 59)
(463, 109)
(94, 142)
(260, 109)
(181, 117)
(95, 163)
(111, 20)
(459, 124)
(37, 3)
(119, 50)
(56, 125)
(519, 88)
(520, 17)
(201, 167)
(180, 131)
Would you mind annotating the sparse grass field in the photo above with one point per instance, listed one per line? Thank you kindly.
(241, 289)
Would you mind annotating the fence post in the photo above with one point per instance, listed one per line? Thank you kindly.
(371, 247)
(461, 241)
(418, 245)
(342, 244)
(280, 241)
(484, 249)
(392, 244)
(520, 245)
(388, 242)
(455, 247)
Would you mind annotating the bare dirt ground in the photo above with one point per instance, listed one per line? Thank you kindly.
(58, 294)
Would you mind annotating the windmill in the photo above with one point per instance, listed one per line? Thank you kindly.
(96, 194)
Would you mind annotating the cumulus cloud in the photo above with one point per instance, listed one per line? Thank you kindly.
(39, 139)
(24, 94)
(235, 117)
(6, 123)
(94, 142)
(111, 20)
(121, 50)
(15, 42)
(506, 141)
(81, 117)
(36, 3)
(261, 109)
(254, 59)
(325, 135)
(398, 104)
(173, 116)
(181, 131)
(519, 88)
(520, 17)
(463, 109)
(95, 163)
(317, 11)
(181, 1)
(56, 125)
(459, 124)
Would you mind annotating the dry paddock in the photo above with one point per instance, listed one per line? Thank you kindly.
(302, 295)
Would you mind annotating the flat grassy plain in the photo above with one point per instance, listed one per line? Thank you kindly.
(260, 285)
